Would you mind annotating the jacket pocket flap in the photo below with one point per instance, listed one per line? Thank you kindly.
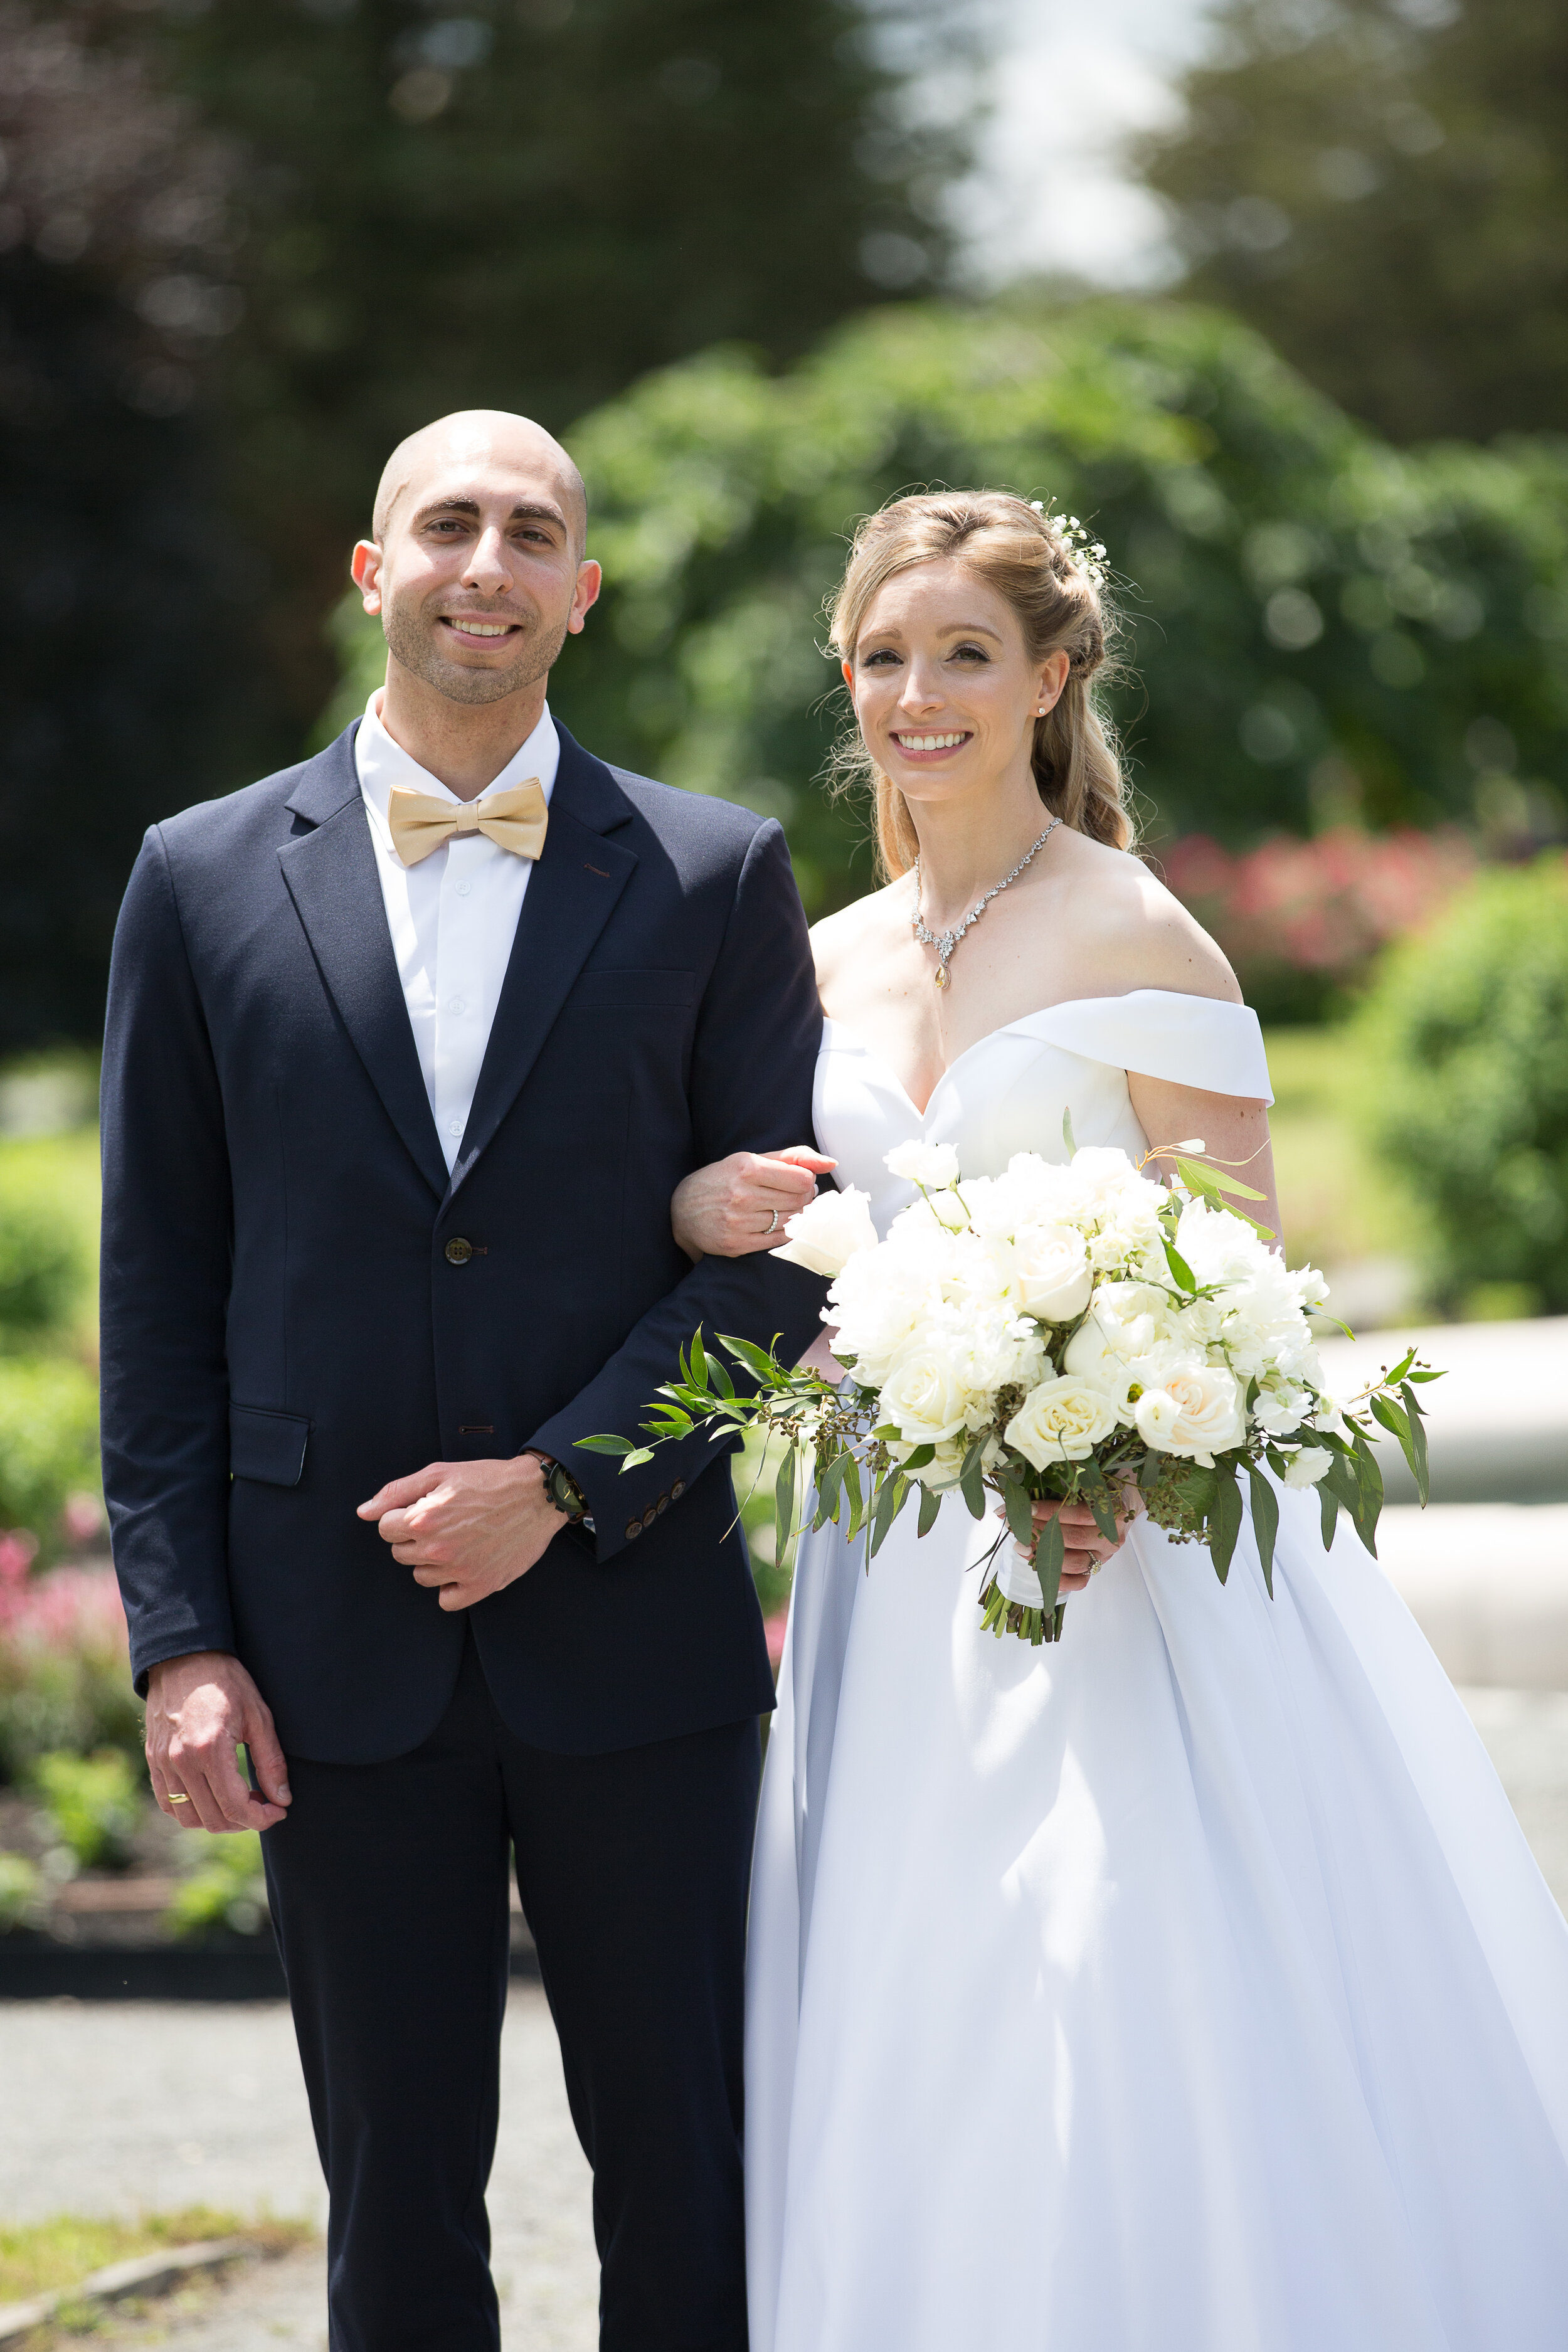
(630, 989)
(266, 1444)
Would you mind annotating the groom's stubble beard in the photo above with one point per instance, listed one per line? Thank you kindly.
(412, 645)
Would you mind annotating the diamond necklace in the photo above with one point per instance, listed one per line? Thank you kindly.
(945, 942)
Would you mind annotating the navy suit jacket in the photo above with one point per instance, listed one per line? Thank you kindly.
(299, 1303)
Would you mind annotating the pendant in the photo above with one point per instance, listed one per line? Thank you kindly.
(941, 975)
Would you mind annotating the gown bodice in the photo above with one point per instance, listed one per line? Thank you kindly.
(1008, 1092)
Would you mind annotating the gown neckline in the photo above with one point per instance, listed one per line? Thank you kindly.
(1063, 1004)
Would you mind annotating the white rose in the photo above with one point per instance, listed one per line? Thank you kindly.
(1209, 1417)
(1053, 1273)
(1156, 1416)
(829, 1232)
(925, 1395)
(1062, 1420)
(932, 1165)
(1305, 1469)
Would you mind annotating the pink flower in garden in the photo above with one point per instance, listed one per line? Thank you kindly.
(1326, 905)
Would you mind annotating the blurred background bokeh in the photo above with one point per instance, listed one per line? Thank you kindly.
(1274, 293)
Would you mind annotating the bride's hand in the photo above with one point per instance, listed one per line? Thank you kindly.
(1085, 1547)
(739, 1204)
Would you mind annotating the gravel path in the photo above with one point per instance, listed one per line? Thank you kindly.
(111, 2108)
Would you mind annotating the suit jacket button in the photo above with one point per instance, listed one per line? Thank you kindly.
(649, 1515)
(663, 1504)
(457, 1252)
(633, 1527)
(677, 1490)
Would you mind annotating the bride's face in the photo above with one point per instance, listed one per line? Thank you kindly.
(943, 687)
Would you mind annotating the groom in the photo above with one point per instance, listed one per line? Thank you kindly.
(407, 1049)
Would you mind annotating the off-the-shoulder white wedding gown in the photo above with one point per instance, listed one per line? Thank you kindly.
(1186, 1988)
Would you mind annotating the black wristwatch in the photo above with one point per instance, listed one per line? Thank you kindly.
(564, 1492)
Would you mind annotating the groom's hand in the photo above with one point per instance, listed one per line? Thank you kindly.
(466, 1528)
(200, 1708)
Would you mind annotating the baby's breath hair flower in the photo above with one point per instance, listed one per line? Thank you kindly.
(1073, 538)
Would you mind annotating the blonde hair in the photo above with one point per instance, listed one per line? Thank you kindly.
(1029, 558)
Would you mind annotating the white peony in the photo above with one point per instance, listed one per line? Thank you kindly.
(932, 1165)
(1208, 1418)
(925, 1394)
(1062, 1420)
(1127, 1335)
(829, 1232)
(1052, 1272)
(1305, 1469)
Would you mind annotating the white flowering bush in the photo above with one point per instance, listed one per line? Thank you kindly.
(1080, 1332)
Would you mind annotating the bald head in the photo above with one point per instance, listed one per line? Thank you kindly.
(480, 439)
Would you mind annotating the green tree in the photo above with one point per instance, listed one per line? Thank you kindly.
(1319, 626)
(523, 204)
(119, 647)
(1381, 186)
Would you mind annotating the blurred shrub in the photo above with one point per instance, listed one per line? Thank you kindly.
(40, 1262)
(1324, 629)
(1302, 921)
(65, 1676)
(1467, 1036)
(93, 1802)
(21, 1886)
(48, 1444)
(226, 1889)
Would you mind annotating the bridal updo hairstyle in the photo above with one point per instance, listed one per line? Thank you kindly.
(1028, 557)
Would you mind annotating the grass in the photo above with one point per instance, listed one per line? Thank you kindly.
(43, 2257)
(1337, 1203)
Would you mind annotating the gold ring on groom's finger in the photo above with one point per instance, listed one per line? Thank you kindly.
(178, 1801)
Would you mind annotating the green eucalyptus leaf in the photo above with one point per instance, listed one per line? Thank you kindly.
(1050, 1555)
(1181, 1272)
(891, 1501)
(1225, 1523)
(1416, 1451)
(931, 1504)
(1265, 1523)
(1020, 1517)
(784, 1502)
(1329, 1509)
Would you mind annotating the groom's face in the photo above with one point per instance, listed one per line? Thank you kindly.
(477, 573)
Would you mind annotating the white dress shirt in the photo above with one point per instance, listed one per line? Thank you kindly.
(452, 916)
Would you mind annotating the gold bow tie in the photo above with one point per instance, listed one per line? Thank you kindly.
(515, 819)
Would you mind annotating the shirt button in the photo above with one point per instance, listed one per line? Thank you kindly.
(454, 1126)
(463, 889)
(457, 1251)
(458, 1004)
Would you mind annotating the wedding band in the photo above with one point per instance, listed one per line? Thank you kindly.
(775, 1219)
(178, 1801)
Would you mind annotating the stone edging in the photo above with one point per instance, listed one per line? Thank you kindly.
(145, 2274)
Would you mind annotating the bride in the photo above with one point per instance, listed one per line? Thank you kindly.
(1188, 1987)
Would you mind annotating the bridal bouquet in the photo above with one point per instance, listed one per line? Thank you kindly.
(1080, 1332)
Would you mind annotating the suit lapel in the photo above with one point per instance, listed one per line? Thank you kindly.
(572, 894)
(331, 878)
